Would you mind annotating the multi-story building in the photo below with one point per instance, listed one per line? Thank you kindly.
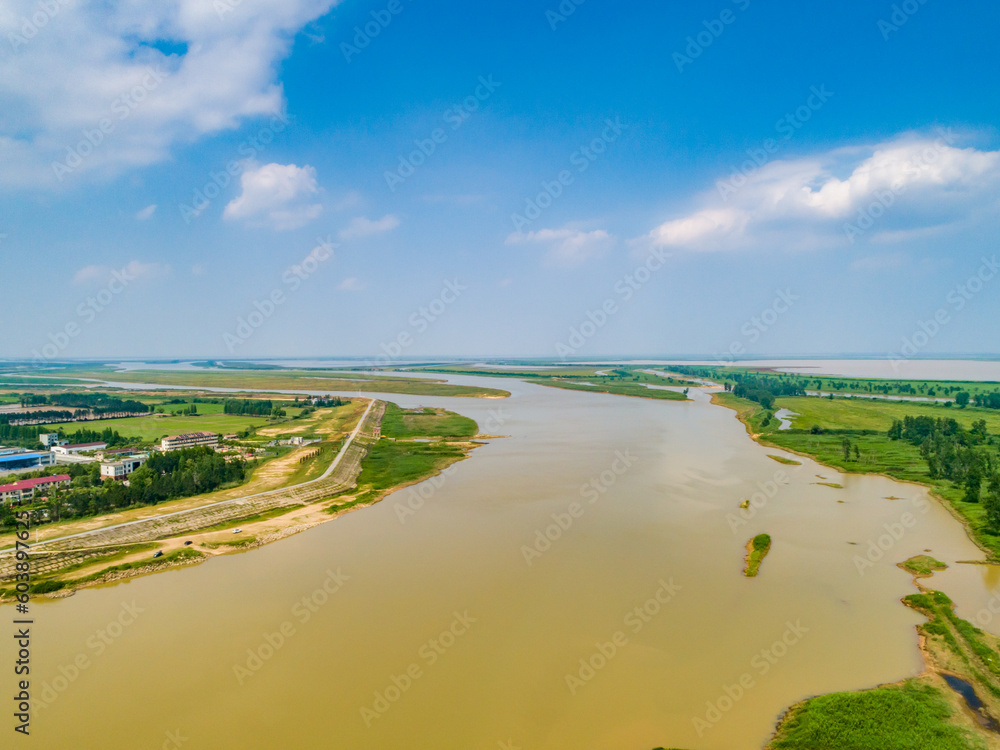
(13, 459)
(69, 450)
(189, 440)
(120, 469)
(25, 490)
(48, 439)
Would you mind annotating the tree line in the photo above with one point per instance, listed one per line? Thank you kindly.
(963, 456)
(180, 473)
(97, 403)
(248, 407)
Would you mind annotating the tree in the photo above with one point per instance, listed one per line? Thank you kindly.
(992, 504)
(847, 449)
(973, 484)
(962, 399)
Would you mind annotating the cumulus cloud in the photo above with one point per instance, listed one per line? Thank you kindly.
(363, 227)
(277, 195)
(134, 270)
(351, 284)
(886, 192)
(566, 247)
(146, 212)
(103, 87)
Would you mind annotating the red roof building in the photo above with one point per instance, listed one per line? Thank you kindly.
(26, 488)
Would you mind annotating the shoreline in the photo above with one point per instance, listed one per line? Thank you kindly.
(933, 670)
(319, 513)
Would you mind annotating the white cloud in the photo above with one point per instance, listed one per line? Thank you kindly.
(146, 212)
(874, 263)
(363, 227)
(88, 274)
(134, 270)
(158, 72)
(566, 247)
(351, 285)
(277, 195)
(894, 190)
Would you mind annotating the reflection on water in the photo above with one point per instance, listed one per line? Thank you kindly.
(575, 585)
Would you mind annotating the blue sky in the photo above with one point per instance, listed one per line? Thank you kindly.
(747, 177)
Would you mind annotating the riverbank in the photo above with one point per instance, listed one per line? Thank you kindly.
(406, 448)
(924, 711)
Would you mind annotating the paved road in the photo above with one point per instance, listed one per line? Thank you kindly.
(325, 475)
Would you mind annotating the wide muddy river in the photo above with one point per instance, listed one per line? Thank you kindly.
(577, 584)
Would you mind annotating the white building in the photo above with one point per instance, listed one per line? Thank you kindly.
(189, 440)
(70, 450)
(48, 439)
(122, 468)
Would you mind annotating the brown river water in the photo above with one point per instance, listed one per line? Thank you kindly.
(575, 585)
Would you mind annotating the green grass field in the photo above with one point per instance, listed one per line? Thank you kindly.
(911, 716)
(389, 464)
(410, 423)
(152, 428)
(875, 414)
(293, 380)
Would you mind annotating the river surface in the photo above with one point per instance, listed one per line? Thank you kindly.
(452, 626)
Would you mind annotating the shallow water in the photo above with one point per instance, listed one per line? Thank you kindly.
(639, 499)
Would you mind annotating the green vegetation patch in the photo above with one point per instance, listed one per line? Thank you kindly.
(911, 716)
(783, 460)
(922, 565)
(757, 549)
(410, 423)
(293, 380)
(389, 464)
(618, 389)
